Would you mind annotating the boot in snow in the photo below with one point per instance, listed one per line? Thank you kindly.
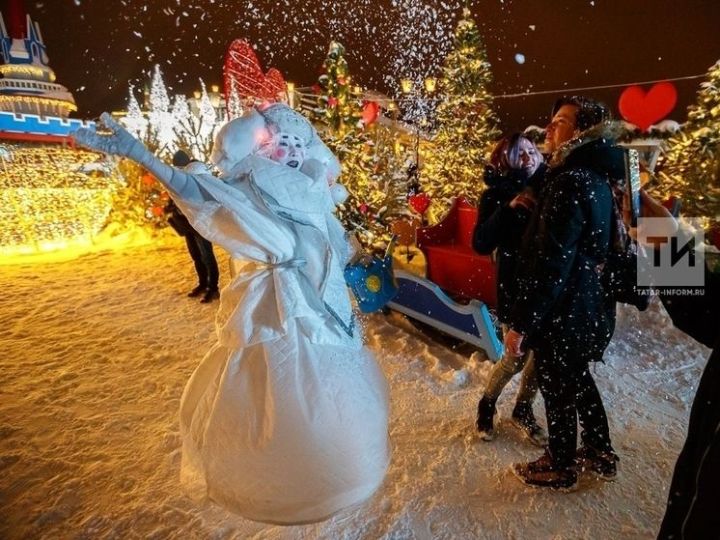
(210, 295)
(601, 464)
(524, 419)
(485, 413)
(545, 473)
(197, 291)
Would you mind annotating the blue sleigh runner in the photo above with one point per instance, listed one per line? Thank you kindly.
(453, 268)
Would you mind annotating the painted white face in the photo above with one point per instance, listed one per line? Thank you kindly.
(287, 149)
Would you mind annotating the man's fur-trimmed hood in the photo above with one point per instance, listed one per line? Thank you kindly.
(593, 149)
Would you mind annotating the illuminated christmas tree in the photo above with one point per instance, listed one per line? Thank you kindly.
(339, 104)
(466, 124)
(373, 171)
(691, 167)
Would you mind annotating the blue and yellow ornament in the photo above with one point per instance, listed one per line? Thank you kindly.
(372, 282)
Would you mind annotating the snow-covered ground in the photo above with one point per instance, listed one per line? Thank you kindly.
(95, 352)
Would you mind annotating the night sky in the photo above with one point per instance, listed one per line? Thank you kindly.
(98, 47)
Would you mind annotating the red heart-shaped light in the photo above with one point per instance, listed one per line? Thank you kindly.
(370, 112)
(242, 72)
(645, 109)
(419, 202)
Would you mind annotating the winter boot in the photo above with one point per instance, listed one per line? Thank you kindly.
(197, 291)
(210, 295)
(524, 419)
(484, 423)
(602, 465)
(545, 473)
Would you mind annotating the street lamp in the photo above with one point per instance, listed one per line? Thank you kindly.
(406, 85)
(290, 88)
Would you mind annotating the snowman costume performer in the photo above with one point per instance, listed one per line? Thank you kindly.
(285, 419)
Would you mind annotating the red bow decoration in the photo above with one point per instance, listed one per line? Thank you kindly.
(645, 109)
(242, 72)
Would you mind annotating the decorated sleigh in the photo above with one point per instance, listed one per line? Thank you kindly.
(459, 285)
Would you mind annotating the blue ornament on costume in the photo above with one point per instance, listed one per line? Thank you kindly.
(372, 284)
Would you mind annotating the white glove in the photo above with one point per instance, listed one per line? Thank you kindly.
(119, 142)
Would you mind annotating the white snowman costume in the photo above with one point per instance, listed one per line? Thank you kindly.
(285, 419)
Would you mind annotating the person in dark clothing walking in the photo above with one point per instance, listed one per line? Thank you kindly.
(515, 172)
(200, 249)
(562, 311)
(695, 488)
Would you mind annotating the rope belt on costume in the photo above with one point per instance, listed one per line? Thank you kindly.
(256, 266)
(292, 263)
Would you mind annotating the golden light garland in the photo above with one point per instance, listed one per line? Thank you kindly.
(38, 102)
(27, 70)
(52, 197)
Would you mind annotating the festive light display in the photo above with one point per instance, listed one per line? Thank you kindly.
(52, 197)
(374, 169)
(29, 71)
(466, 124)
(243, 74)
(691, 166)
(37, 105)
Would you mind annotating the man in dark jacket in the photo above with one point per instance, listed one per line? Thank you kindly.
(199, 248)
(562, 310)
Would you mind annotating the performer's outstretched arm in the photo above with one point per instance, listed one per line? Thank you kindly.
(121, 143)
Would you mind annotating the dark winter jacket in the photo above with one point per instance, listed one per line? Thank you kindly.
(177, 219)
(695, 489)
(561, 302)
(501, 227)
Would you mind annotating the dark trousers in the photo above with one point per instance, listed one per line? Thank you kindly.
(694, 497)
(202, 255)
(570, 394)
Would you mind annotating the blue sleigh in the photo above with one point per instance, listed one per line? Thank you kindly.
(423, 300)
(452, 267)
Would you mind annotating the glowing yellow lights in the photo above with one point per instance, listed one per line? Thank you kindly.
(406, 85)
(52, 197)
(36, 101)
(27, 71)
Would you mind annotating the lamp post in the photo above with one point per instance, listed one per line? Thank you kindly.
(409, 89)
(290, 88)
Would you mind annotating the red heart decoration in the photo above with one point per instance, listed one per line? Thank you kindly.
(419, 202)
(370, 112)
(242, 72)
(643, 109)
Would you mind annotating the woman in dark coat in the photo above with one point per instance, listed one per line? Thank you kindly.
(516, 168)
